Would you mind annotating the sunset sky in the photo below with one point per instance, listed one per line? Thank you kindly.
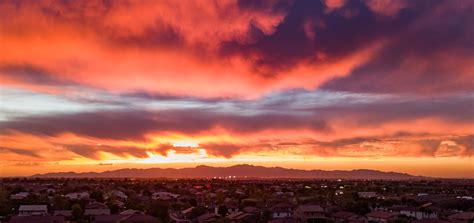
(318, 84)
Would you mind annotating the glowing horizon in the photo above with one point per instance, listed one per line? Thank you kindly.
(330, 84)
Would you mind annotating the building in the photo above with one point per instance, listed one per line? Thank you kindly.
(138, 217)
(165, 196)
(462, 217)
(231, 208)
(283, 220)
(19, 196)
(65, 213)
(419, 213)
(37, 219)
(282, 210)
(119, 195)
(33, 210)
(96, 208)
(128, 217)
(381, 216)
(242, 217)
(77, 195)
(345, 217)
(367, 194)
(207, 218)
(430, 221)
(309, 214)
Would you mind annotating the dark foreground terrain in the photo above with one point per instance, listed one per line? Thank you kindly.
(240, 201)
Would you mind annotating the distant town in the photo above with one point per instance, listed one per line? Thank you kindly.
(126, 200)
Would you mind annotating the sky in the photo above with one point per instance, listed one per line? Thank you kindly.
(308, 84)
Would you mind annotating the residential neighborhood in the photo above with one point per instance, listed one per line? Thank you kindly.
(235, 201)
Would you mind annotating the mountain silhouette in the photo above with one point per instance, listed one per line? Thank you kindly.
(239, 171)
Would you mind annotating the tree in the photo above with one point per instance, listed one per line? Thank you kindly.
(60, 202)
(360, 208)
(5, 204)
(196, 212)
(223, 210)
(114, 208)
(159, 210)
(76, 211)
(193, 202)
(98, 196)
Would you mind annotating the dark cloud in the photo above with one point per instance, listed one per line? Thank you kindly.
(83, 150)
(392, 145)
(27, 73)
(93, 151)
(23, 152)
(425, 46)
(226, 150)
(456, 109)
(432, 55)
(308, 30)
(135, 124)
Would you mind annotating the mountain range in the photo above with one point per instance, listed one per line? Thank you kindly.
(239, 171)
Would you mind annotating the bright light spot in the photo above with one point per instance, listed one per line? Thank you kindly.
(185, 144)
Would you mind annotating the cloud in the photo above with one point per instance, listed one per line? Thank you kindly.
(386, 7)
(334, 4)
(221, 149)
(295, 122)
(282, 113)
(23, 152)
(246, 49)
(30, 75)
(430, 56)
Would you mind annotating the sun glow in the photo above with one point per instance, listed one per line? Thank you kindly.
(185, 144)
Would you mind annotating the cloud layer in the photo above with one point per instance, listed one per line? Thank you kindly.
(245, 49)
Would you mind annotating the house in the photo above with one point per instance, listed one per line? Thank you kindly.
(37, 219)
(19, 196)
(182, 216)
(252, 210)
(283, 220)
(462, 217)
(281, 210)
(231, 208)
(178, 217)
(106, 218)
(128, 217)
(119, 195)
(207, 218)
(367, 194)
(77, 195)
(241, 217)
(65, 213)
(138, 217)
(96, 208)
(118, 203)
(33, 210)
(430, 221)
(465, 197)
(165, 196)
(345, 217)
(309, 213)
(419, 213)
(381, 216)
